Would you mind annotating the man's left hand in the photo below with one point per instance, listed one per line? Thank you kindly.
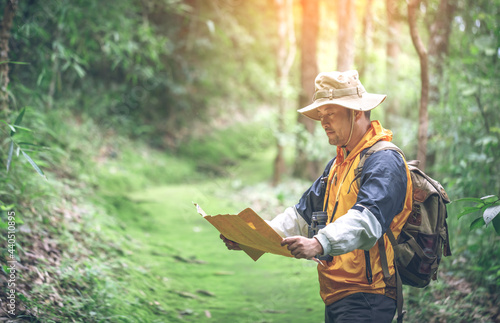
(302, 247)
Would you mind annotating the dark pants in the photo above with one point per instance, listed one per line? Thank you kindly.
(360, 308)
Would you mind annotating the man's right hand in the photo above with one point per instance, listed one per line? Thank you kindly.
(231, 245)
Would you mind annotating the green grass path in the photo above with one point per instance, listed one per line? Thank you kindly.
(182, 271)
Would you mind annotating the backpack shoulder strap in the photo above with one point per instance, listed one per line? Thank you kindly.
(378, 146)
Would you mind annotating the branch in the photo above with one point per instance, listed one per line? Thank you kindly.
(292, 48)
(480, 106)
(415, 37)
(424, 75)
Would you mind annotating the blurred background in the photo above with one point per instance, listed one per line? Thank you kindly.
(117, 115)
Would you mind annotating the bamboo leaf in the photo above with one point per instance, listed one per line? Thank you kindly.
(23, 128)
(35, 147)
(10, 126)
(12, 62)
(79, 70)
(18, 120)
(490, 213)
(30, 144)
(477, 223)
(6, 207)
(9, 158)
(35, 166)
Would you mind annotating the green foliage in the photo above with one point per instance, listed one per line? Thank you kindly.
(489, 206)
(21, 145)
(155, 64)
(464, 140)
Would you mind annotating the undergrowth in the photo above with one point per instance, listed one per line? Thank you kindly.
(69, 261)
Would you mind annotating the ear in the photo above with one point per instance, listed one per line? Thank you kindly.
(358, 115)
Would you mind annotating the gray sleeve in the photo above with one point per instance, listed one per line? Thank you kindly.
(289, 223)
(354, 230)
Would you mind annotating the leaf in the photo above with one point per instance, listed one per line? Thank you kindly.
(477, 223)
(9, 158)
(10, 126)
(11, 62)
(35, 166)
(468, 210)
(18, 120)
(6, 207)
(490, 213)
(79, 70)
(30, 144)
(489, 199)
(469, 199)
(496, 224)
(23, 128)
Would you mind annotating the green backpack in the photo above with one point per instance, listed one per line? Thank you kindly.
(424, 238)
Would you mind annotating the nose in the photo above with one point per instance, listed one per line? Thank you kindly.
(324, 123)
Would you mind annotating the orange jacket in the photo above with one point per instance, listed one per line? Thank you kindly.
(347, 273)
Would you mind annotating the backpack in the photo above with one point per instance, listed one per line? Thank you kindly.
(424, 238)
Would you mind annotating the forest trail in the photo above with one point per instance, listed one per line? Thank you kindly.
(188, 275)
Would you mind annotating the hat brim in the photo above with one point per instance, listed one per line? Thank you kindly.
(367, 102)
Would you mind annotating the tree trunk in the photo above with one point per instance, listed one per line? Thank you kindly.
(285, 57)
(439, 35)
(304, 167)
(438, 46)
(346, 20)
(413, 7)
(5, 27)
(392, 56)
(367, 41)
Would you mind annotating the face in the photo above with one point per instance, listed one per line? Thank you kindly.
(337, 123)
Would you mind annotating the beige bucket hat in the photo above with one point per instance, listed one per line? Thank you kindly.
(341, 88)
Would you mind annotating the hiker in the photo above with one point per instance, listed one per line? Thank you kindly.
(352, 283)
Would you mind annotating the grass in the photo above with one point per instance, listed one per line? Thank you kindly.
(180, 271)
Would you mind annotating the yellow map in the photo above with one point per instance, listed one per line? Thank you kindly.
(249, 230)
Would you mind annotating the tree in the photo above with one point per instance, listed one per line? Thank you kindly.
(413, 7)
(440, 31)
(367, 41)
(304, 167)
(438, 48)
(6, 25)
(392, 51)
(346, 19)
(285, 56)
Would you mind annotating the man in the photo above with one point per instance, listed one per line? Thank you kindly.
(352, 283)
